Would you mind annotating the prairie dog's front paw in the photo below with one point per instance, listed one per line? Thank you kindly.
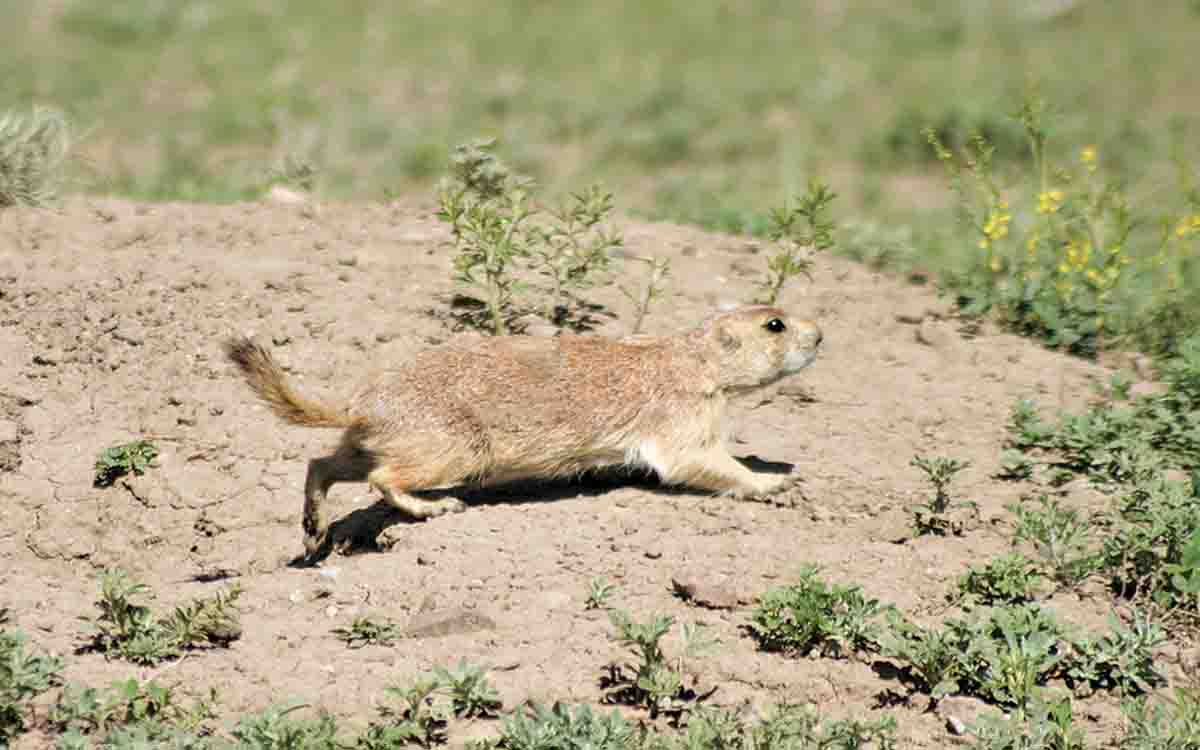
(770, 488)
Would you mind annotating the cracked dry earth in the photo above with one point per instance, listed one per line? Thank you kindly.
(111, 319)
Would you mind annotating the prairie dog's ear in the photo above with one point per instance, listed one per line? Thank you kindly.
(728, 341)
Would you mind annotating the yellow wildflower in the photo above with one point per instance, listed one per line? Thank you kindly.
(996, 265)
(1188, 225)
(996, 226)
(1049, 201)
(1087, 155)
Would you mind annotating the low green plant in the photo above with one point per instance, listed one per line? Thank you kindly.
(930, 656)
(799, 231)
(1155, 726)
(1015, 466)
(119, 460)
(33, 150)
(657, 270)
(599, 592)
(809, 615)
(1061, 536)
(563, 727)
(368, 631)
(653, 681)
(275, 729)
(786, 727)
(1121, 660)
(131, 630)
(575, 248)
(1009, 579)
(1043, 724)
(497, 228)
(417, 719)
(128, 712)
(471, 694)
(24, 675)
(933, 517)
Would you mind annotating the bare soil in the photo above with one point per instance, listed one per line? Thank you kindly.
(111, 319)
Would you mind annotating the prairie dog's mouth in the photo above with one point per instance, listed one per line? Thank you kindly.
(796, 361)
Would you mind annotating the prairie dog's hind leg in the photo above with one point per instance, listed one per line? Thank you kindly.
(348, 464)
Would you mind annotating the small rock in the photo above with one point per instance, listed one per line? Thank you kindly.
(456, 621)
(9, 431)
(296, 596)
(930, 333)
(348, 260)
(542, 330)
(704, 593)
(911, 316)
(653, 554)
(130, 334)
(285, 195)
(423, 560)
(331, 611)
(330, 573)
(955, 726)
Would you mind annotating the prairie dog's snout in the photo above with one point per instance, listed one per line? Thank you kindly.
(807, 338)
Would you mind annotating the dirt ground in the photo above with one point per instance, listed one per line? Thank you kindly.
(111, 319)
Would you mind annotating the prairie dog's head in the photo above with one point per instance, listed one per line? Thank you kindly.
(758, 345)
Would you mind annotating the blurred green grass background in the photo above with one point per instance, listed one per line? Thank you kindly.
(703, 112)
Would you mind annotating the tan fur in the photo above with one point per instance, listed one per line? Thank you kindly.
(498, 409)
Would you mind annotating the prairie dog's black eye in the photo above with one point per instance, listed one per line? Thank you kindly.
(775, 325)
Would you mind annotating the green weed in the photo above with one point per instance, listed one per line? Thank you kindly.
(599, 592)
(132, 631)
(497, 227)
(563, 727)
(367, 631)
(1010, 579)
(657, 270)
(1061, 536)
(809, 615)
(652, 680)
(934, 516)
(130, 714)
(1155, 726)
(799, 231)
(1041, 725)
(119, 460)
(470, 692)
(24, 675)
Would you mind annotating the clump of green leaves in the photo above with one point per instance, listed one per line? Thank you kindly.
(1009, 579)
(127, 713)
(274, 729)
(563, 727)
(1060, 535)
(1155, 726)
(653, 681)
(497, 229)
(799, 231)
(935, 516)
(1008, 653)
(33, 149)
(599, 592)
(130, 630)
(417, 718)
(119, 460)
(575, 248)
(1043, 724)
(471, 694)
(810, 615)
(367, 631)
(787, 727)
(24, 675)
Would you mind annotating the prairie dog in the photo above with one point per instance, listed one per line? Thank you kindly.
(490, 410)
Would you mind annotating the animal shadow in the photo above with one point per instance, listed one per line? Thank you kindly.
(359, 531)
